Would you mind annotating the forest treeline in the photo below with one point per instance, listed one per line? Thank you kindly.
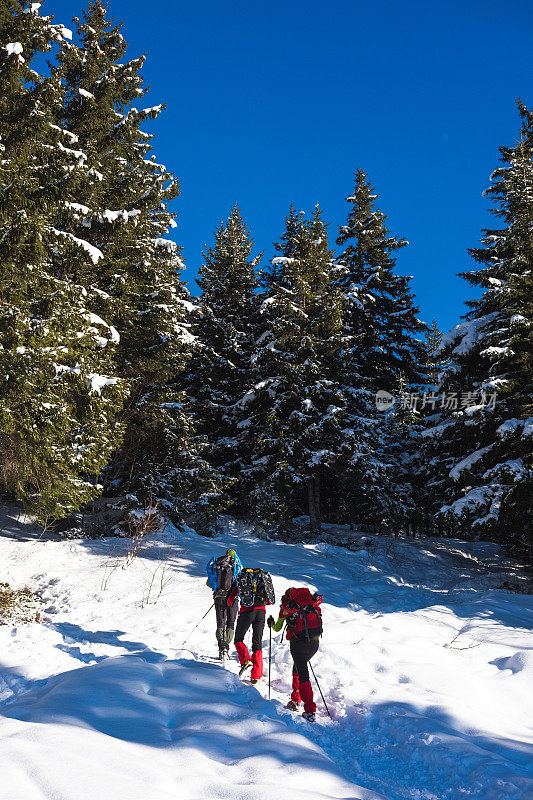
(302, 385)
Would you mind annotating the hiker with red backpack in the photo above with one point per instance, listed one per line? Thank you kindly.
(221, 573)
(301, 611)
(254, 586)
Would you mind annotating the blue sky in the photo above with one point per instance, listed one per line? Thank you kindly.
(277, 102)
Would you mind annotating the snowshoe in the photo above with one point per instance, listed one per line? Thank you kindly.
(292, 706)
(246, 665)
(269, 588)
(255, 587)
(309, 716)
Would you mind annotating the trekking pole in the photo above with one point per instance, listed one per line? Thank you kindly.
(320, 690)
(224, 643)
(204, 616)
(269, 658)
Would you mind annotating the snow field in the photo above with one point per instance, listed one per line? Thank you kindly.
(428, 681)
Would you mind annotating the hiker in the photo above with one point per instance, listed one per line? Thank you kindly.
(256, 591)
(301, 611)
(221, 573)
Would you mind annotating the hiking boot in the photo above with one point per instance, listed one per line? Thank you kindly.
(246, 665)
(254, 680)
(309, 716)
(292, 706)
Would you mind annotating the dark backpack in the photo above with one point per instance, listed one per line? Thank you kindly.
(302, 611)
(255, 587)
(224, 572)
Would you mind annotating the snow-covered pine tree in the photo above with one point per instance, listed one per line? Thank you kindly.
(59, 394)
(125, 215)
(293, 414)
(421, 423)
(381, 302)
(225, 331)
(382, 352)
(434, 363)
(483, 453)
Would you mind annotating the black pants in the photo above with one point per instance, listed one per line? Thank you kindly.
(302, 651)
(256, 618)
(225, 614)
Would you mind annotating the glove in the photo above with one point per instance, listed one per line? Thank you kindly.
(270, 621)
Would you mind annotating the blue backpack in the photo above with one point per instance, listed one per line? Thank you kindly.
(222, 571)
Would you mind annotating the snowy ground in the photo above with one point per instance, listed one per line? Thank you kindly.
(426, 666)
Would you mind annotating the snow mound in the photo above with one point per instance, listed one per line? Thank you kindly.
(196, 732)
(516, 663)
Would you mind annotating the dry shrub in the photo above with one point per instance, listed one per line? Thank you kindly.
(18, 606)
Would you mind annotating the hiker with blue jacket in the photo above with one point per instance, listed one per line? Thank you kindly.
(221, 573)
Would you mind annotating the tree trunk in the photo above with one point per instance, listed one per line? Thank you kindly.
(351, 512)
(313, 492)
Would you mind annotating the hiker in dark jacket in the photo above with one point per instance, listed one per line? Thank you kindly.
(301, 611)
(253, 616)
(221, 573)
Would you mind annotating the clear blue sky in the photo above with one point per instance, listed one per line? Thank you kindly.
(277, 102)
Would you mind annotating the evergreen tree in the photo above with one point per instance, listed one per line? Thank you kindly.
(124, 213)
(422, 456)
(380, 304)
(382, 352)
(225, 331)
(483, 439)
(434, 364)
(58, 390)
(293, 413)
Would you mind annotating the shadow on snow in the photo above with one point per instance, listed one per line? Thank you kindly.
(145, 699)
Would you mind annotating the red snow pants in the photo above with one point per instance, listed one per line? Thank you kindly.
(256, 618)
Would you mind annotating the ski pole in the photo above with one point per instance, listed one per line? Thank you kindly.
(320, 690)
(204, 616)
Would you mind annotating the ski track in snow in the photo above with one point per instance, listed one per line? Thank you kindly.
(425, 664)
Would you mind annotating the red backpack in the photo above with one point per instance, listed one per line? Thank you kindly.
(303, 614)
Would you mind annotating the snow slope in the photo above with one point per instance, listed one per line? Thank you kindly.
(425, 664)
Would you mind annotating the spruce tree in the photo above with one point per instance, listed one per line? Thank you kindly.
(59, 393)
(483, 439)
(225, 332)
(124, 213)
(293, 413)
(380, 309)
(422, 455)
(434, 364)
(382, 352)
